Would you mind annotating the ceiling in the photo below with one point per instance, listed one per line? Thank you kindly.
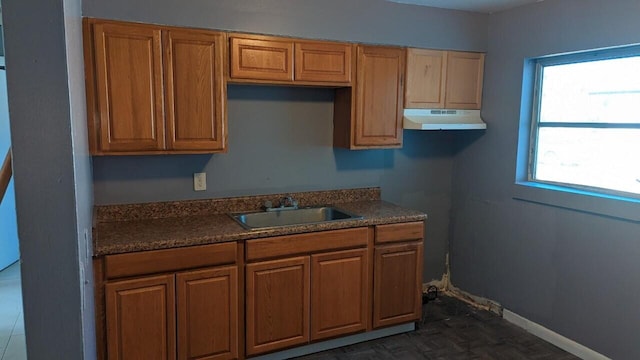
(482, 6)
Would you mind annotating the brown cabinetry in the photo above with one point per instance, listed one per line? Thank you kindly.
(162, 90)
(183, 314)
(267, 59)
(128, 70)
(154, 89)
(323, 62)
(198, 302)
(195, 90)
(397, 285)
(316, 291)
(207, 313)
(261, 59)
(340, 293)
(277, 304)
(444, 79)
(141, 318)
(369, 115)
(465, 71)
(426, 79)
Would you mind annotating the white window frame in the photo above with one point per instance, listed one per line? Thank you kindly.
(564, 196)
(540, 64)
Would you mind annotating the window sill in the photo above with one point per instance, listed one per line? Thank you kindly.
(584, 201)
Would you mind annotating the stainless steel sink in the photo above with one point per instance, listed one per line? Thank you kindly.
(287, 217)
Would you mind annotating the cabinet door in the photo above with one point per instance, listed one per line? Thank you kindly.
(324, 62)
(379, 89)
(129, 87)
(464, 80)
(208, 314)
(397, 285)
(426, 70)
(339, 293)
(141, 318)
(277, 301)
(195, 90)
(261, 59)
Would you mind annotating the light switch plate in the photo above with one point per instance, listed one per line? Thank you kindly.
(199, 181)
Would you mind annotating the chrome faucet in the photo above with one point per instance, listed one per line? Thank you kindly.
(288, 202)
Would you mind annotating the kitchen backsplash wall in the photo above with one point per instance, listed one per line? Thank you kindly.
(280, 140)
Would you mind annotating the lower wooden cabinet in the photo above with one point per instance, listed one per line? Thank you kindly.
(397, 285)
(187, 303)
(207, 312)
(140, 317)
(339, 293)
(145, 316)
(277, 304)
(307, 295)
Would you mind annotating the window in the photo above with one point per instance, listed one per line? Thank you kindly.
(586, 122)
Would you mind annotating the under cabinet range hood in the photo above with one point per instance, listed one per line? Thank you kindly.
(442, 119)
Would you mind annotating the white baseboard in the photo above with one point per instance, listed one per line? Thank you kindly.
(554, 338)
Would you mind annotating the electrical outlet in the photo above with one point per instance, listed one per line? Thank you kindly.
(199, 181)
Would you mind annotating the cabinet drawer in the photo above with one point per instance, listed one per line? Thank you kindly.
(305, 243)
(325, 62)
(400, 232)
(149, 262)
(261, 59)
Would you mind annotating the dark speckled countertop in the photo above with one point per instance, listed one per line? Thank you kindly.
(117, 233)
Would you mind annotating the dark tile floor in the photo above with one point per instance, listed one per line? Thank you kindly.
(450, 330)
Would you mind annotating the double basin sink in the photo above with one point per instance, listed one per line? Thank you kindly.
(294, 216)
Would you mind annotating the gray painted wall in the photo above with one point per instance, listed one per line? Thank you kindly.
(83, 171)
(52, 173)
(370, 21)
(572, 272)
(280, 139)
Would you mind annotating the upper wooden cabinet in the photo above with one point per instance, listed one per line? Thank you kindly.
(265, 59)
(261, 59)
(444, 79)
(154, 89)
(128, 70)
(465, 72)
(323, 62)
(369, 115)
(195, 89)
(426, 78)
